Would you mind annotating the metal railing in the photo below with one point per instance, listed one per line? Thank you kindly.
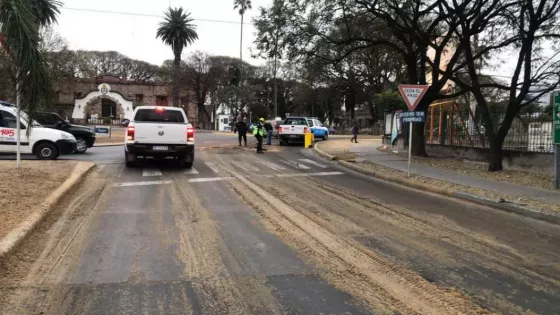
(449, 123)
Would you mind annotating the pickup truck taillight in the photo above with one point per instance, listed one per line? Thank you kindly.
(190, 134)
(130, 133)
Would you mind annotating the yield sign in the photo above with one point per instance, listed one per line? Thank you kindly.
(412, 94)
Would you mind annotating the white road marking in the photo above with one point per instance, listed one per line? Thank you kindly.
(144, 183)
(239, 165)
(326, 173)
(149, 172)
(213, 166)
(218, 179)
(308, 161)
(192, 171)
(245, 166)
(208, 179)
(297, 165)
(271, 165)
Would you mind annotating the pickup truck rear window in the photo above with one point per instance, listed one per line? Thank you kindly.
(296, 121)
(151, 115)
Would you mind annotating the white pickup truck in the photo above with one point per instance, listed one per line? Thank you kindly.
(159, 132)
(293, 129)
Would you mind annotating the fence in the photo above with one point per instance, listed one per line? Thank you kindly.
(103, 121)
(449, 123)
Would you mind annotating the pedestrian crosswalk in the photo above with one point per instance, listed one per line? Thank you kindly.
(263, 167)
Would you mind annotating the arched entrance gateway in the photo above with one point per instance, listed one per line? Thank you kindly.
(101, 105)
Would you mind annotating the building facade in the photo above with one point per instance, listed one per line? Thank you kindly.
(109, 99)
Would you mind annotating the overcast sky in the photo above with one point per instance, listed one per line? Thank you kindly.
(134, 34)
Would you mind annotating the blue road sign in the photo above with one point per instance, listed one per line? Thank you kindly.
(413, 117)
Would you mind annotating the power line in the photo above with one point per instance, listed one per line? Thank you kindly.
(145, 15)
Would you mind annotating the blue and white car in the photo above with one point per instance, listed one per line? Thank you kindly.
(319, 130)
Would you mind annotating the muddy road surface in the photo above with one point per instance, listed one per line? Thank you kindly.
(280, 233)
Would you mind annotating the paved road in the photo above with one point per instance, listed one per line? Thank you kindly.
(282, 233)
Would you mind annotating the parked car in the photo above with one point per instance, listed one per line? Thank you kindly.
(85, 137)
(318, 129)
(45, 143)
(159, 132)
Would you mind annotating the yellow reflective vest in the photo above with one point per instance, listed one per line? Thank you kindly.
(258, 129)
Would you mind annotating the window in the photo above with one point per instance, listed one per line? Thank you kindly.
(139, 98)
(318, 123)
(47, 119)
(165, 115)
(161, 100)
(226, 121)
(296, 121)
(7, 120)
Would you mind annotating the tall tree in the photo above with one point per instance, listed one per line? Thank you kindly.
(242, 6)
(177, 31)
(20, 23)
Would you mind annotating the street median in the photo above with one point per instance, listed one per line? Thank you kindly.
(539, 210)
(27, 211)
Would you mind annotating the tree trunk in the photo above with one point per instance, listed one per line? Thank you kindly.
(176, 71)
(418, 143)
(241, 52)
(495, 156)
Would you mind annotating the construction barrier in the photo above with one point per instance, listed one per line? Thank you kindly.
(309, 138)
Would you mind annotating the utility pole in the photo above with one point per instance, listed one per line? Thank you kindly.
(275, 96)
(18, 127)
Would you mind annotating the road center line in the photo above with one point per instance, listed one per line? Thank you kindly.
(218, 179)
(208, 179)
(149, 172)
(144, 183)
(308, 161)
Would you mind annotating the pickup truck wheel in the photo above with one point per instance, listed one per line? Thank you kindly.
(130, 159)
(81, 146)
(186, 161)
(46, 151)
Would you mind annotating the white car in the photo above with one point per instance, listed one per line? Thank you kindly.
(45, 143)
(159, 132)
(319, 130)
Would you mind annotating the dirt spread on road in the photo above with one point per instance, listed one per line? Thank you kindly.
(23, 190)
(26, 273)
(391, 287)
(204, 253)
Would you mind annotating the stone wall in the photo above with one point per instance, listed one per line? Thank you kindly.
(138, 93)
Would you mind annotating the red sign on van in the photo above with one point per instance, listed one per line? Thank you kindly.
(7, 132)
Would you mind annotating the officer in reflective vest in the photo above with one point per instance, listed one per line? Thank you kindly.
(258, 132)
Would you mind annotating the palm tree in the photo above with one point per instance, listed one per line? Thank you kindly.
(243, 6)
(177, 31)
(20, 22)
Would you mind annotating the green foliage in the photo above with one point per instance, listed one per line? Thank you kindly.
(20, 22)
(177, 30)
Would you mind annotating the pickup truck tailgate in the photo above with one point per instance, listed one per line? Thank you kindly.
(163, 133)
(292, 129)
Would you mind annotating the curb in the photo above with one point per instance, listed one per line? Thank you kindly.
(17, 235)
(504, 206)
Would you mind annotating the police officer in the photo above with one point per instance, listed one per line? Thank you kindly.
(258, 132)
(241, 128)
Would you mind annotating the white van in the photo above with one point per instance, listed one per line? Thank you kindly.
(45, 143)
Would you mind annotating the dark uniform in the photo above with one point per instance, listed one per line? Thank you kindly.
(258, 131)
(241, 128)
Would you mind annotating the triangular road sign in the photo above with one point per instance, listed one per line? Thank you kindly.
(412, 94)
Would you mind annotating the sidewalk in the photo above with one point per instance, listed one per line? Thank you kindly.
(369, 152)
